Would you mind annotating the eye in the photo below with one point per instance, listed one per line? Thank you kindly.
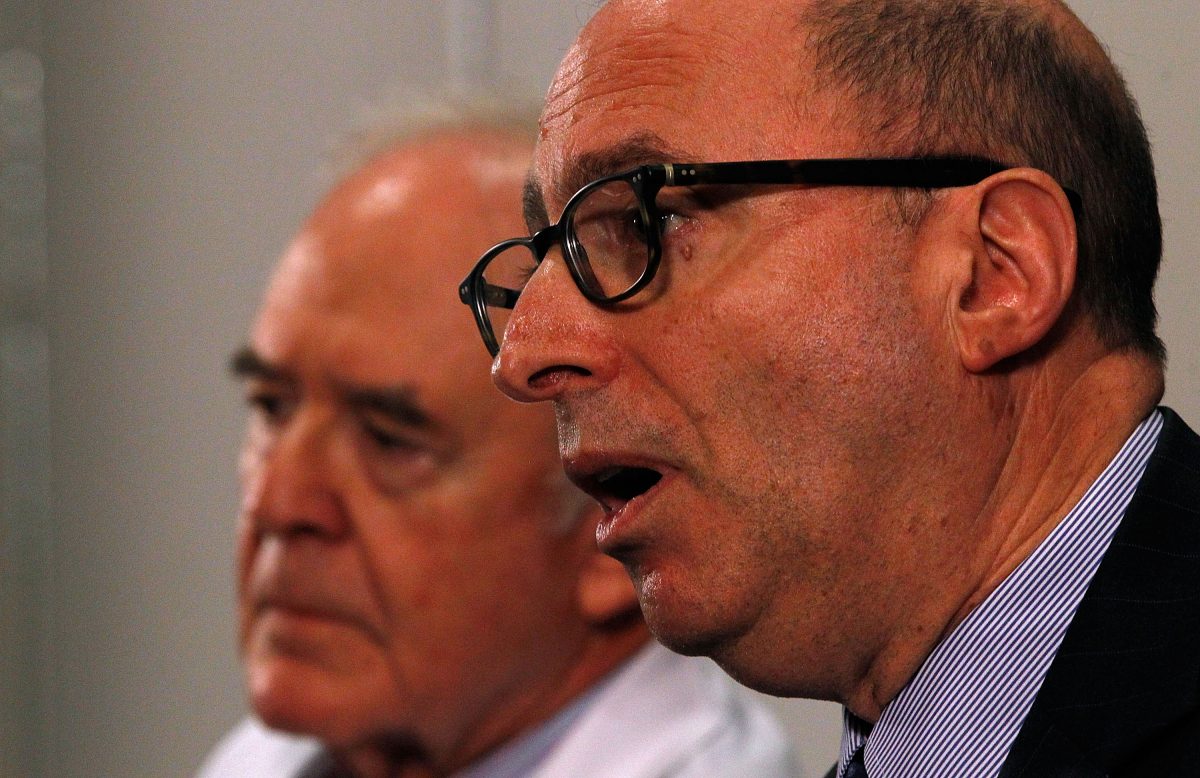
(524, 270)
(268, 403)
(635, 225)
(681, 211)
(391, 437)
(390, 440)
(673, 230)
(670, 222)
(398, 456)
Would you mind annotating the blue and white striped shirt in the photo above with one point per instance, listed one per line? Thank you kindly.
(960, 714)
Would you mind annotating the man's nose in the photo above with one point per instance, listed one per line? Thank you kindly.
(556, 341)
(290, 481)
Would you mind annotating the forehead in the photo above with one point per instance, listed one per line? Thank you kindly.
(366, 294)
(716, 81)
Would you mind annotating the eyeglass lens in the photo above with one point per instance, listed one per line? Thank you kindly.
(607, 245)
(504, 278)
(607, 239)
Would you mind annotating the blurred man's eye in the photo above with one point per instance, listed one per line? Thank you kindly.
(390, 437)
(269, 404)
(399, 457)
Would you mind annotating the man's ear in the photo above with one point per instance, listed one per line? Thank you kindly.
(1022, 258)
(605, 594)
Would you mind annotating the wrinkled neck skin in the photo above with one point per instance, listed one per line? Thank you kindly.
(608, 648)
(1060, 422)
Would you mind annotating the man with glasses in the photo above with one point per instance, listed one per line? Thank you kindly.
(845, 310)
(419, 589)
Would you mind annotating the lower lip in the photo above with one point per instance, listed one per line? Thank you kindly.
(616, 529)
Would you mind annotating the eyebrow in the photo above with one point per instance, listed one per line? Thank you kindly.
(247, 363)
(643, 148)
(533, 205)
(397, 402)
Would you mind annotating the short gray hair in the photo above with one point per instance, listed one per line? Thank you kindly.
(411, 116)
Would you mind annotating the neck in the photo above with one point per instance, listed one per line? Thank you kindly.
(1053, 428)
(608, 648)
(1058, 451)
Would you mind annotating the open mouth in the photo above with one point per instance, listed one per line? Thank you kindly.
(616, 486)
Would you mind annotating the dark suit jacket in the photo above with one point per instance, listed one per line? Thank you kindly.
(1122, 696)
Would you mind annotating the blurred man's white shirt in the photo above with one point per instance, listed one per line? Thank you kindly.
(660, 714)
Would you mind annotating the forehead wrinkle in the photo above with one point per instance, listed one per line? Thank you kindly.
(640, 48)
(647, 50)
(638, 70)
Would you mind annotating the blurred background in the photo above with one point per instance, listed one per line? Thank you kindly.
(155, 157)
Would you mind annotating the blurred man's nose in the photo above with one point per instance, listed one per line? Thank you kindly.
(290, 483)
(556, 341)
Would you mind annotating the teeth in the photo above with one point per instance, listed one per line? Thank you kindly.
(626, 483)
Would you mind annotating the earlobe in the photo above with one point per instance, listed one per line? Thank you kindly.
(1022, 272)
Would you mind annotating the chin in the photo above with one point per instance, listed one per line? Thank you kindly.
(681, 627)
(759, 678)
(293, 697)
(775, 665)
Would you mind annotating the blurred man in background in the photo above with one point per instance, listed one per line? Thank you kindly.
(420, 592)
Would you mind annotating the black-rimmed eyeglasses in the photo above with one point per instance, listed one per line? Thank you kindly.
(611, 230)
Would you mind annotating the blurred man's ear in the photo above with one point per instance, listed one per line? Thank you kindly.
(1022, 256)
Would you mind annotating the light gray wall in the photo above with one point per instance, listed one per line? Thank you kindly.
(24, 417)
(183, 140)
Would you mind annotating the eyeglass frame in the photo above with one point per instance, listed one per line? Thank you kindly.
(931, 172)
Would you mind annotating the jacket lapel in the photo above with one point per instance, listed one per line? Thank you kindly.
(1126, 681)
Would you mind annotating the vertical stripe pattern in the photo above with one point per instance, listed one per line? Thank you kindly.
(959, 715)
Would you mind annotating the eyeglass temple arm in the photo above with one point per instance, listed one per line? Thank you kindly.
(920, 173)
(900, 172)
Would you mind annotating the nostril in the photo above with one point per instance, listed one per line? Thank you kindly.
(551, 377)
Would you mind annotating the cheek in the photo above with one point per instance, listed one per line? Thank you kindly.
(467, 611)
(247, 548)
(248, 538)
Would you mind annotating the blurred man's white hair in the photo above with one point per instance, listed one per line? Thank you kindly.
(409, 116)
